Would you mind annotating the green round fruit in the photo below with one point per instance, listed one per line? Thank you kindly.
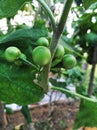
(41, 55)
(59, 51)
(69, 61)
(12, 53)
(42, 41)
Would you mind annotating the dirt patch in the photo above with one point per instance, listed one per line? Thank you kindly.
(59, 116)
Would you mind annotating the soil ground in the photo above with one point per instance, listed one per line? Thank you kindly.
(59, 116)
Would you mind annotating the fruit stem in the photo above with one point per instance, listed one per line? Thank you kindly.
(74, 93)
(90, 88)
(29, 63)
(48, 10)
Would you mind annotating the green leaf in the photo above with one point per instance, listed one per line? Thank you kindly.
(58, 82)
(87, 3)
(86, 17)
(75, 73)
(87, 115)
(16, 80)
(91, 38)
(31, 34)
(9, 8)
(17, 86)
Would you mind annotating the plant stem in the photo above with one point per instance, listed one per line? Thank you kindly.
(9, 25)
(29, 63)
(73, 93)
(59, 28)
(48, 10)
(90, 88)
(3, 120)
(26, 113)
(57, 31)
(63, 19)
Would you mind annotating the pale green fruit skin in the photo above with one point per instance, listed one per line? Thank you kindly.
(69, 61)
(42, 41)
(41, 55)
(59, 51)
(12, 53)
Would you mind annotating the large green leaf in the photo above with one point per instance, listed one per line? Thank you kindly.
(31, 34)
(16, 84)
(16, 81)
(9, 8)
(87, 115)
(87, 3)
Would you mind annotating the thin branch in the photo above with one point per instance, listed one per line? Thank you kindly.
(73, 93)
(66, 8)
(9, 25)
(48, 10)
(59, 29)
(90, 88)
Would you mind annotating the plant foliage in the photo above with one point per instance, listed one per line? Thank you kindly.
(9, 8)
(86, 115)
(16, 81)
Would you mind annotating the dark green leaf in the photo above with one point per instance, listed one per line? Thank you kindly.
(87, 3)
(87, 115)
(17, 86)
(78, 2)
(58, 82)
(9, 8)
(91, 38)
(86, 17)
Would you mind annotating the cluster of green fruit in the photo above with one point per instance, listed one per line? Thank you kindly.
(41, 54)
(68, 61)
